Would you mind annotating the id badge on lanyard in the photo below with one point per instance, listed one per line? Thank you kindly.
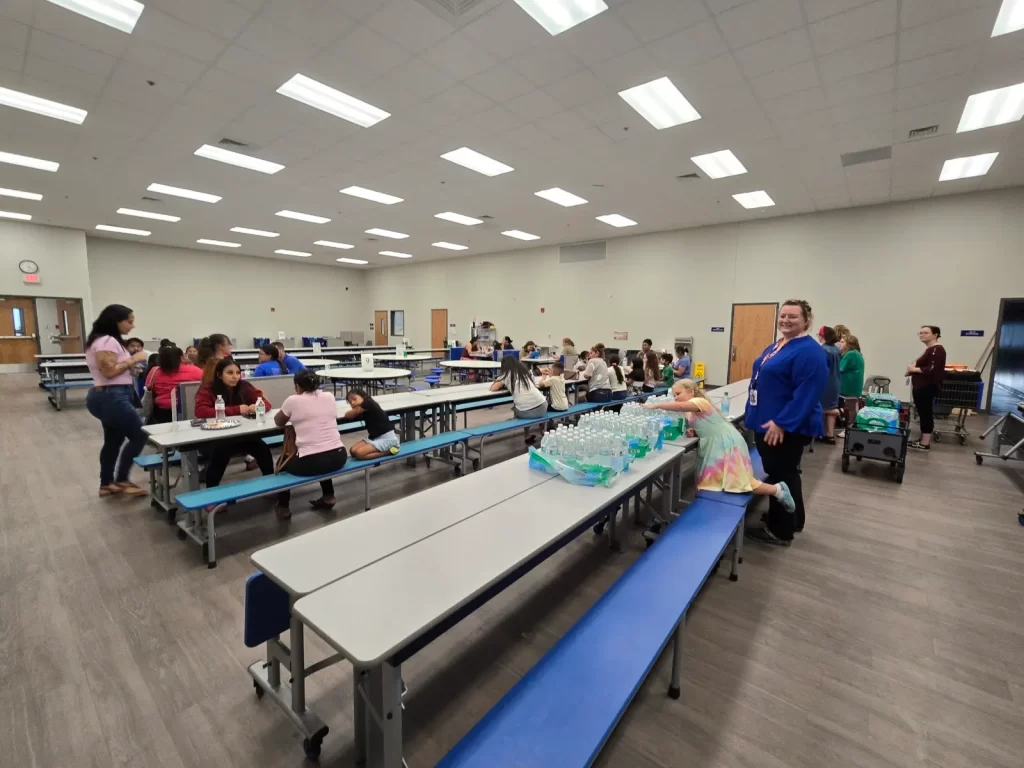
(752, 394)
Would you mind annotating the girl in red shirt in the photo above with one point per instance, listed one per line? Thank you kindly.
(170, 371)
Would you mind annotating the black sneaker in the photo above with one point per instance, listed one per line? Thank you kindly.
(918, 445)
(766, 537)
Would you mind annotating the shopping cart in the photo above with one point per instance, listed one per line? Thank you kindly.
(886, 444)
(959, 394)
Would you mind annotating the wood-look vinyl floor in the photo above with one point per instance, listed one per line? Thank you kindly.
(890, 635)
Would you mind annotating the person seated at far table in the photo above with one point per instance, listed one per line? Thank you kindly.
(170, 371)
(292, 364)
(616, 379)
(381, 439)
(192, 355)
(507, 343)
(667, 372)
(596, 373)
(239, 400)
(527, 400)
(530, 351)
(554, 382)
(472, 347)
(270, 362)
(682, 364)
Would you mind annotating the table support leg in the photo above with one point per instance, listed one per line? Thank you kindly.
(613, 537)
(62, 393)
(384, 745)
(358, 717)
(677, 658)
(737, 553)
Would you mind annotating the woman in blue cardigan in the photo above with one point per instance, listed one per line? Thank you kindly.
(784, 411)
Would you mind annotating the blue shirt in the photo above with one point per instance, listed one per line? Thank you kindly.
(269, 368)
(789, 388)
(681, 367)
(830, 395)
(534, 355)
(293, 364)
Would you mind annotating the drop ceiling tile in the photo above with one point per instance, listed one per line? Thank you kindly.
(630, 69)
(759, 20)
(563, 125)
(866, 22)
(157, 27)
(357, 9)
(946, 64)
(533, 106)
(651, 19)
(11, 61)
(933, 91)
(721, 71)
(155, 62)
(944, 34)
(809, 128)
(461, 100)
(578, 89)
(606, 109)
(500, 83)
(809, 100)
(14, 37)
(861, 86)
(916, 12)
(817, 10)
(65, 52)
(546, 63)
(18, 10)
(419, 77)
(276, 42)
(65, 80)
(777, 53)
(410, 25)
(798, 77)
(601, 37)
(220, 91)
(224, 19)
(506, 31)
(72, 26)
(872, 106)
(689, 47)
(254, 68)
(721, 6)
(459, 56)
(319, 22)
(371, 54)
(869, 56)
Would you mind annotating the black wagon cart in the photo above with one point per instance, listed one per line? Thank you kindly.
(878, 440)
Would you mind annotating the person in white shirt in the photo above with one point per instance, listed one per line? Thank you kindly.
(596, 374)
(554, 383)
(617, 379)
(528, 402)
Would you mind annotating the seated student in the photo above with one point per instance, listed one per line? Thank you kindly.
(191, 354)
(270, 361)
(636, 374)
(652, 372)
(530, 351)
(666, 369)
(212, 349)
(313, 414)
(171, 371)
(616, 379)
(239, 400)
(292, 364)
(527, 400)
(568, 348)
(682, 365)
(471, 348)
(134, 345)
(381, 439)
(599, 389)
(554, 383)
(507, 343)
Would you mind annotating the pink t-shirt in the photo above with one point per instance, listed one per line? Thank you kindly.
(315, 418)
(107, 344)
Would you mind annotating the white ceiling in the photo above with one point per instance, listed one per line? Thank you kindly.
(787, 85)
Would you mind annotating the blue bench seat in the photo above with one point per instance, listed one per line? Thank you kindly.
(563, 710)
(737, 499)
(69, 385)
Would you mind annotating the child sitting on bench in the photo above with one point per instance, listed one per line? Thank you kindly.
(554, 382)
(381, 439)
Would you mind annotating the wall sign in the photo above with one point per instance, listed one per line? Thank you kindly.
(33, 278)
(718, 329)
(620, 335)
(972, 333)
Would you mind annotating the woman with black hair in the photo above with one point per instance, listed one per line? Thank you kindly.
(616, 379)
(528, 402)
(313, 415)
(271, 363)
(926, 374)
(111, 398)
(211, 350)
(170, 371)
(381, 438)
(828, 338)
(599, 390)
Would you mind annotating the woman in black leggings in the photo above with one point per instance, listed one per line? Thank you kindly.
(926, 374)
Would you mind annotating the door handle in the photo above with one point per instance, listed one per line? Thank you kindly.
(734, 354)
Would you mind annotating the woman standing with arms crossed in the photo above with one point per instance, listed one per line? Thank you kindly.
(110, 399)
(926, 374)
(784, 411)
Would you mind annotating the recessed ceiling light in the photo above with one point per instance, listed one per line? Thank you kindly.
(237, 158)
(560, 196)
(998, 107)
(967, 167)
(202, 197)
(119, 14)
(19, 194)
(451, 246)
(343, 260)
(222, 243)
(758, 199)
(29, 162)
(369, 194)
(718, 165)
(1010, 18)
(458, 218)
(124, 230)
(396, 254)
(469, 158)
(256, 232)
(520, 235)
(617, 220)
(660, 103)
(43, 107)
(332, 101)
(286, 252)
(12, 215)
(303, 217)
(332, 244)
(147, 215)
(556, 16)
(387, 233)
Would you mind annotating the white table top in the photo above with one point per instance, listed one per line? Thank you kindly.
(62, 356)
(403, 359)
(486, 365)
(315, 559)
(371, 375)
(318, 363)
(399, 597)
(539, 360)
(737, 392)
(65, 364)
(423, 351)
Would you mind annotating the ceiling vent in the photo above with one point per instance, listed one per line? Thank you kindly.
(458, 13)
(866, 156)
(687, 176)
(920, 133)
(226, 142)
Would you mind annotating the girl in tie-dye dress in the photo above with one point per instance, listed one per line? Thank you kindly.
(724, 458)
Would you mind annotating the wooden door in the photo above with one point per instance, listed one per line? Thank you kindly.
(380, 327)
(69, 320)
(753, 329)
(18, 331)
(438, 328)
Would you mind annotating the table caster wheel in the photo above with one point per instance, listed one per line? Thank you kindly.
(599, 528)
(673, 692)
(845, 465)
(182, 535)
(312, 748)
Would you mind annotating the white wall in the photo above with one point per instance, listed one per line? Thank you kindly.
(181, 294)
(60, 254)
(882, 271)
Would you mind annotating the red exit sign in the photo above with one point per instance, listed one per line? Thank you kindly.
(32, 279)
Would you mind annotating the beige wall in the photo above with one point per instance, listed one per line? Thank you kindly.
(60, 254)
(882, 271)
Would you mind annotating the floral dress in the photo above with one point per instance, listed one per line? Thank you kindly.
(724, 458)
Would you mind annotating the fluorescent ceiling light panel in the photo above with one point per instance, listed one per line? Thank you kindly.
(520, 235)
(119, 14)
(556, 16)
(147, 215)
(123, 230)
(237, 158)
(758, 199)
(660, 103)
(1010, 18)
(451, 246)
(967, 167)
(998, 107)
(560, 196)
(343, 260)
(369, 194)
(469, 158)
(617, 220)
(29, 162)
(387, 233)
(44, 107)
(285, 252)
(332, 244)
(12, 215)
(256, 232)
(332, 101)
(221, 243)
(718, 165)
(396, 254)
(202, 197)
(19, 194)
(303, 217)
(458, 218)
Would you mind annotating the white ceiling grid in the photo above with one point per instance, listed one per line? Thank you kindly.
(787, 85)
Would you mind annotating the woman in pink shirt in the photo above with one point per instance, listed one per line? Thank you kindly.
(169, 372)
(110, 399)
(313, 414)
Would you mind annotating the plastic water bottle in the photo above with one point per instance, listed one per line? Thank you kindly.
(724, 407)
(247, 372)
(261, 411)
(219, 408)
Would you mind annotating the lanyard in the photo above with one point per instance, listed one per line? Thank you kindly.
(775, 350)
